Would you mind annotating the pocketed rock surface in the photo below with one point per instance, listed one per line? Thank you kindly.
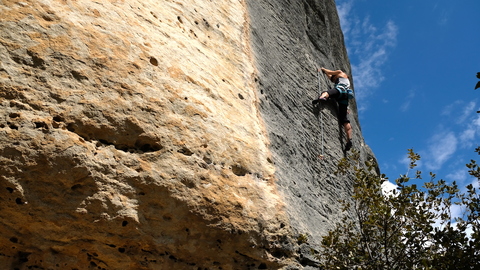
(168, 134)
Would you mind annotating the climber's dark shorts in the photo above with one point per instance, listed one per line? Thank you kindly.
(342, 108)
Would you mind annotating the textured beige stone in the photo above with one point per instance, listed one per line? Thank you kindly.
(132, 136)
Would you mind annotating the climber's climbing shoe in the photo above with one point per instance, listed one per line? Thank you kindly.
(316, 101)
(348, 146)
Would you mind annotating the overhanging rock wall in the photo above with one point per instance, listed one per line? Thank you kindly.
(167, 134)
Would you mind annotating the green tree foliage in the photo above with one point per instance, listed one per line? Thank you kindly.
(409, 228)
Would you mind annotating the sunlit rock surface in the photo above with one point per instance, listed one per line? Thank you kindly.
(167, 134)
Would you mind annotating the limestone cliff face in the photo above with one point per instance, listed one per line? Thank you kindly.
(291, 40)
(167, 134)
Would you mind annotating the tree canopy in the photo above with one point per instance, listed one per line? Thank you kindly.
(410, 227)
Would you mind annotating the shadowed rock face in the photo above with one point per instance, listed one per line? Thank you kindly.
(167, 135)
(291, 40)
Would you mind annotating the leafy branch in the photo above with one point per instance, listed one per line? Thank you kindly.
(410, 228)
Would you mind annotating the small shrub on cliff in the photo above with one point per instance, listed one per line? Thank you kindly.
(407, 228)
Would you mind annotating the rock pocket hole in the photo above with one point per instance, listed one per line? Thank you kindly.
(150, 148)
(36, 61)
(48, 17)
(153, 61)
(78, 76)
(12, 126)
(58, 119)
(71, 127)
(76, 187)
(147, 144)
(206, 23)
(262, 266)
(41, 125)
(11, 190)
(14, 115)
(185, 151)
(124, 223)
(240, 96)
(239, 170)
(23, 256)
(193, 33)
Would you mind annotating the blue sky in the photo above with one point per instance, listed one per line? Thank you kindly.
(414, 66)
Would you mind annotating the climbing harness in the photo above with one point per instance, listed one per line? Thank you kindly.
(345, 93)
(322, 155)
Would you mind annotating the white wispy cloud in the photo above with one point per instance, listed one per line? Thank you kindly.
(463, 114)
(459, 175)
(368, 45)
(442, 146)
(462, 132)
(443, 17)
(467, 111)
(468, 136)
(448, 110)
(408, 100)
(343, 9)
(459, 110)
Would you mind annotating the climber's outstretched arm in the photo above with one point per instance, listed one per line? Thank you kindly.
(331, 72)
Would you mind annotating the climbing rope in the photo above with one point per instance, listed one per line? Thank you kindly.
(322, 155)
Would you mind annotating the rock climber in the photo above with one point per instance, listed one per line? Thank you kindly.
(339, 93)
